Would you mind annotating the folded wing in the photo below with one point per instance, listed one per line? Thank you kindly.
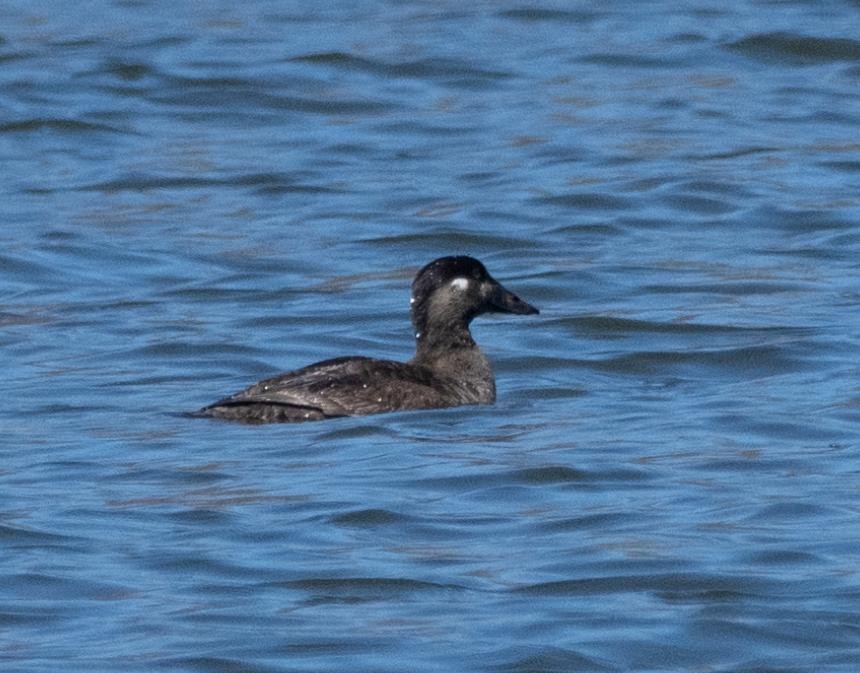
(338, 387)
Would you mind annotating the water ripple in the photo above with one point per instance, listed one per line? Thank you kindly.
(552, 15)
(265, 183)
(799, 49)
(437, 67)
(690, 586)
(59, 125)
(361, 588)
(743, 363)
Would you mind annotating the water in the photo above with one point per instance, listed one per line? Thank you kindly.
(198, 195)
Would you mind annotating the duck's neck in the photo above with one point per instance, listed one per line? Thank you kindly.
(438, 340)
(454, 357)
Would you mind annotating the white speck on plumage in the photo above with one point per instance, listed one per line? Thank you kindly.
(460, 283)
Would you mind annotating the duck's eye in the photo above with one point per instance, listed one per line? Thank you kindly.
(460, 284)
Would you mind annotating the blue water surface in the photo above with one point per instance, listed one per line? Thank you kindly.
(199, 195)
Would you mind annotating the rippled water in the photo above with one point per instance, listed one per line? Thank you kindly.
(197, 195)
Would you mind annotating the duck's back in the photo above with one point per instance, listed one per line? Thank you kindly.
(351, 386)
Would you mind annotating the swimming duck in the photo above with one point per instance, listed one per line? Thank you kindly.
(448, 368)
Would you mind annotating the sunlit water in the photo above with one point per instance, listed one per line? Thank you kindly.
(198, 195)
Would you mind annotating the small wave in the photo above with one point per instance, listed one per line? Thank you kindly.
(749, 362)
(628, 61)
(36, 585)
(368, 517)
(264, 183)
(454, 240)
(700, 205)
(18, 267)
(11, 319)
(535, 476)
(739, 152)
(599, 324)
(365, 587)
(535, 14)
(601, 521)
(844, 166)
(550, 660)
(799, 49)
(785, 557)
(690, 584)
(128, 70)
(58, 125)
(586, 201)
(791, 511)
(354, 430)
(187, 349)
(229, 96)
(14, 536)
(434, 67)
(739, 289)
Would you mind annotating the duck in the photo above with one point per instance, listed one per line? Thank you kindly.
(447, 370)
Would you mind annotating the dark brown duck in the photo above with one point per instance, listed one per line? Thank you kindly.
(448, 368)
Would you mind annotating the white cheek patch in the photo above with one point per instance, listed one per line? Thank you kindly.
(460, 283)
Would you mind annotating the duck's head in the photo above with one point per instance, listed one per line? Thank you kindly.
(450, 291)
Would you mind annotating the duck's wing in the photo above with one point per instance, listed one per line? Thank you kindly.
(332, 388)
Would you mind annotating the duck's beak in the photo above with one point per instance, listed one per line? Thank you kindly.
(502, 300)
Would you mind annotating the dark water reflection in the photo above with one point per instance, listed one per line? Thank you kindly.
(197, 196)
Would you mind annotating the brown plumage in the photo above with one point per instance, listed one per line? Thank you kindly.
(448, 368)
